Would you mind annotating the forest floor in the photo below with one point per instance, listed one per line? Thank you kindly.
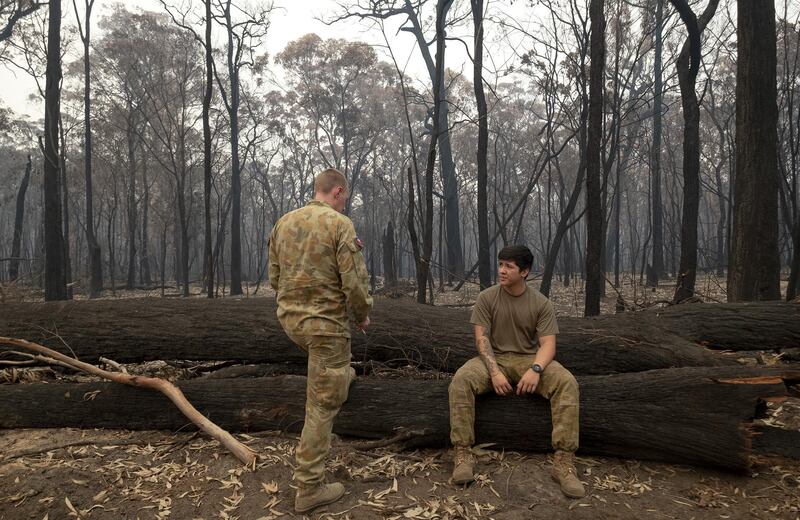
(115, 474)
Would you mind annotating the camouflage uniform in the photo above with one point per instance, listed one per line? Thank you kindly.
(555, 384)
(318, 272)
(515, 324)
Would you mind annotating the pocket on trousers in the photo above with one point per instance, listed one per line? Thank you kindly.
(332, 385)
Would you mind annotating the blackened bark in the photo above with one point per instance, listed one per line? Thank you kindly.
(55, 285)
(415, 247)
(455, 255)
(19, 219)
(95, 254)
(484, 266)
(236, 183)
(793, 288)
(754, 264)
(594, 210)
(688, 65)
(131, 199)
(144, 255)
(389, 267)
(208, 254)
(657, 270)
(424, 265)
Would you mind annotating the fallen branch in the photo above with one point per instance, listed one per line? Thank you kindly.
(33, 358)
(239, 450)
(113, 364)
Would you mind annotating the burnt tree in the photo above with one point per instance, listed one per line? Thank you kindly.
(594, 205)
(55, 284)
(688, 65)
(19, 220)
(754, 264)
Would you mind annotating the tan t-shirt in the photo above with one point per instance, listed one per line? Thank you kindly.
(515, 323)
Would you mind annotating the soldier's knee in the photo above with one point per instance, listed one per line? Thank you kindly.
(464, 381)
(457, 387)
(332, 387)
(568, 389)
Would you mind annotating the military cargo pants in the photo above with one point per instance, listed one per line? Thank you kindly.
(329, 378)
(555, 384)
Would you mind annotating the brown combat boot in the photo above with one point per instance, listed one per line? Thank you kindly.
(564, 473)
(463, 465)
(308, 498)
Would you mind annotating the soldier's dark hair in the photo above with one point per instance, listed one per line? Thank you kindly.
(518, 254)
(328, 179)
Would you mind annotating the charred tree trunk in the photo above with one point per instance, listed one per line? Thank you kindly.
(484, 267)
(793, 288)
(144, 255)
(688, 65)
(389, 267)
(455, 255)
(754, 263)
(236, 183)
(424, 266)
(657, 270)
(95, 254)
(131, 201)
(594, 207)
(415, 246)
(207, 251)
(55, 285)
(65, 205)
(19, 219)
(698, 416)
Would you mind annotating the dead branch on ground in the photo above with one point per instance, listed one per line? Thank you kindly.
(239, 450)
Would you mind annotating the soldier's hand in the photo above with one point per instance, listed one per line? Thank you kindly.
(363, 325)
(501, 384)
(528, 383)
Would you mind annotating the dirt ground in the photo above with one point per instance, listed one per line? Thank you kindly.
(114, 474)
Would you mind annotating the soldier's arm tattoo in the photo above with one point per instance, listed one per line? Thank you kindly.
(484, 345)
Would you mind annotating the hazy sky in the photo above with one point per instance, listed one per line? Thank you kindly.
(291, 19)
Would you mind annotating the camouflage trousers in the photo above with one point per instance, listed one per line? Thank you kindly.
(329, 378)
(555, 383)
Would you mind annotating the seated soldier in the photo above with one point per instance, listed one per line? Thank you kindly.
(511, 320)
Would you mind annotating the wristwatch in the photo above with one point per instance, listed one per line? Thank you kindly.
(536, 367)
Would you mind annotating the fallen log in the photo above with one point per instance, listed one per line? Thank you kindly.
(700, 416)
(402, 333)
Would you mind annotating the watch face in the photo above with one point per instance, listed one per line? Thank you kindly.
(537, 368)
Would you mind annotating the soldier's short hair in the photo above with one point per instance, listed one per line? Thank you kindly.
(518, 254)
(328, 179)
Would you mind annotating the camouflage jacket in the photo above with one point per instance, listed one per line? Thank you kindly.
(318, 272)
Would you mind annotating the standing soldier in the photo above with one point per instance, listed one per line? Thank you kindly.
(318, 272)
